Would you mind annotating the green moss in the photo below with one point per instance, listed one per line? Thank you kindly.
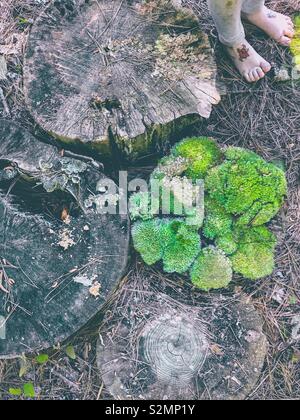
(147, 240)
(170, 166)
(254, 258)
(238, 153)
(242, 194)
(211, 270)
(169, 240)
(248, 187)
(227, 243)
(217, 221)
(176, 196)
(202, 152)
(140, 206)
(182, 246)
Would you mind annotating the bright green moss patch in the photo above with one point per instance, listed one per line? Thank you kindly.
(248, 187)
(254, 258)
(227, 243)
(203, 153)
(217, 221)
(243, 192)
(171, 241)
(182, 246)
(212, 270)
(147, 240)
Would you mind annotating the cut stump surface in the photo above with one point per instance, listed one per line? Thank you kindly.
(60, 260)
(156, 348)
(118, 74)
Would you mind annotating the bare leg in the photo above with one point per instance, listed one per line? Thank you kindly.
(227, 16)
(276, 25)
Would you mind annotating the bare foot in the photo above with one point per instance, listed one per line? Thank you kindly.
(276, 25)
(249, 63)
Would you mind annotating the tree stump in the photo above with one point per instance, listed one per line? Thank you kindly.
(60, 260)
(118, 74)
(195, 347)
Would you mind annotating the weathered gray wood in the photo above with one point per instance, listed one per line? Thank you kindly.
(118, 73)
(59, 260)
(154, 347)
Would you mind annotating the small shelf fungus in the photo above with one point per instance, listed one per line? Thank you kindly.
(59, 260)
(207, 211)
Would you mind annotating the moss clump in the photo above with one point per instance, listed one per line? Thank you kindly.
(248, 187)
(171, 241)
(182, 246)
(148, 240)
(211, 270)
(202, 153)
(254, 258)
(243, 192)
(217, 221)
(227, 243)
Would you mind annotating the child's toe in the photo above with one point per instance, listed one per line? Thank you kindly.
(260, 72)
(289, 33)
(247, 77)
(266, 67)
(254, 75)
(285, 41)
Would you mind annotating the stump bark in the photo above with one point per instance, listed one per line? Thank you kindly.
(118, 74)
(60, 260)
(195, 347)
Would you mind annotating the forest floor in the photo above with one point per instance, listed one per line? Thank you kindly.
(263, 117)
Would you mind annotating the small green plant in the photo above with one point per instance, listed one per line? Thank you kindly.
(70, 352)
(42, 359)
(27, 391)
(23, 21)
(243, 193)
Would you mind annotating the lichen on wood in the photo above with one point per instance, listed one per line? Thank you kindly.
(119, 76)
(59, 261)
